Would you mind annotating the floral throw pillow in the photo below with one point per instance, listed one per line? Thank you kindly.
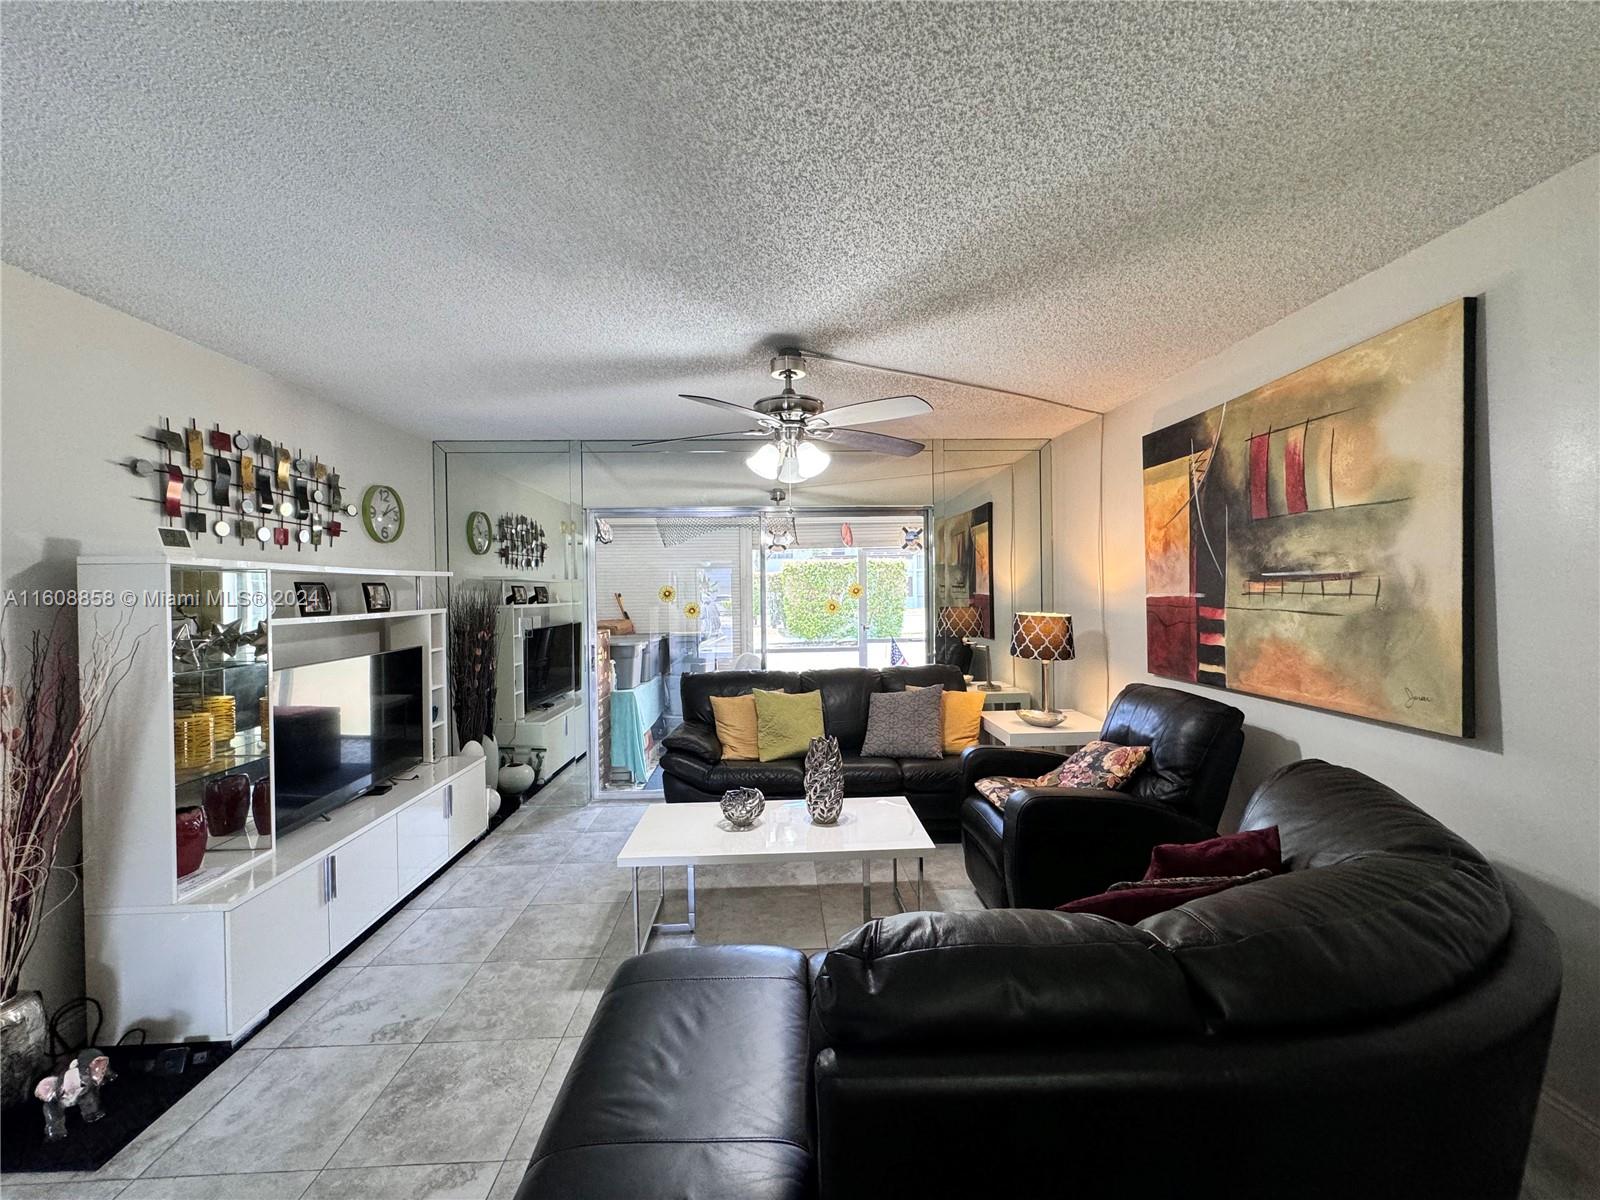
(996, 788)
(1098, 765)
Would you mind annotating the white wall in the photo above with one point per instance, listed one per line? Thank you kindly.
(79, 384)
(1526, 790)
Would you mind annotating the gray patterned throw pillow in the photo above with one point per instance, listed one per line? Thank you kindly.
(905, 724)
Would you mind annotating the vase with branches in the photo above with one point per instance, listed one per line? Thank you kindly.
(474, 619)
(51, 711)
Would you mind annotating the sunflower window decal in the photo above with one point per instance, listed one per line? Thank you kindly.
(691, 610)
(667, 594)
(855, 590)
(830, 606)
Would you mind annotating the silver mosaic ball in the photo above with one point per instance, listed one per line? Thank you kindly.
(742, 805)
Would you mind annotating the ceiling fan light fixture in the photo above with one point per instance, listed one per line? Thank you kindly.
(812, 459)
(765, 461)
(789, 465)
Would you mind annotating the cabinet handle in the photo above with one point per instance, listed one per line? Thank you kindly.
(449, 801)
(333, 877)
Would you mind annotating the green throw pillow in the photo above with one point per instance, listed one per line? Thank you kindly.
(786, 723)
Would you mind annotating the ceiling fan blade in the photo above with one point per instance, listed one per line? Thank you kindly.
(890, 408)
(705, 437)
(861, 439)
(714, 402)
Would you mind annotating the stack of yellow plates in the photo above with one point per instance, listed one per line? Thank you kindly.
(221, 709)
(192, 739)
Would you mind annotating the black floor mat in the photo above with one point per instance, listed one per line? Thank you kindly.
(132, 1102)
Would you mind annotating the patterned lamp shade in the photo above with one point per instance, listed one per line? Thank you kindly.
(960, 622)
(1042, 637)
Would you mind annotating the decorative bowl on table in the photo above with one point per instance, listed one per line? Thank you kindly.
(742, 805)
(1040, 718)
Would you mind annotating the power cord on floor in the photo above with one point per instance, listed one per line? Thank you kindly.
(78, 1006)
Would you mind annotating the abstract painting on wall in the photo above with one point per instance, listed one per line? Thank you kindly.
(1309, 541)
(964, 564)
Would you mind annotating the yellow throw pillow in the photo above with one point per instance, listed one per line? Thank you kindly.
(786, 723)
(736, 726)
(963, 719)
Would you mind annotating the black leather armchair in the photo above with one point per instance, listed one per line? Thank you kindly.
(1052, 845)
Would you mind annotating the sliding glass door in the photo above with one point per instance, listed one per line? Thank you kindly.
(675, 592)
(849, 593)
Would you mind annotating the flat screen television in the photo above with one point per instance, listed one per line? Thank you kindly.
(550, 663)
(340, 727)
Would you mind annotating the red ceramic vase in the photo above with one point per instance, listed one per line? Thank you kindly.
(192, 835)
(227, 800)
(261, 807)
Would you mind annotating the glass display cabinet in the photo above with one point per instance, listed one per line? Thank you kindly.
(221, 674)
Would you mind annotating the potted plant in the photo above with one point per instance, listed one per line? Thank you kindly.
(474, 619)
(51, 711)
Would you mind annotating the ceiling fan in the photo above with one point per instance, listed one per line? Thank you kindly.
(795, 427)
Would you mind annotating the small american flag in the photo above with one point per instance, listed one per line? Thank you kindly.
(897, 656)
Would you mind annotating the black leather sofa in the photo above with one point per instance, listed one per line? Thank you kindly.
(1052, 845)
(1372, 1023)
(693, 768)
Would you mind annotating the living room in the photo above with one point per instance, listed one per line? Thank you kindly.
(715, 572)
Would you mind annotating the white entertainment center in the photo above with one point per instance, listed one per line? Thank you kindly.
(205, 957)
(559, 727)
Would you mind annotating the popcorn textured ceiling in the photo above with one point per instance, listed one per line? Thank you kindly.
(542, 221)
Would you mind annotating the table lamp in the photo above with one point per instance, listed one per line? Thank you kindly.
(1043, 638)
(963, 622)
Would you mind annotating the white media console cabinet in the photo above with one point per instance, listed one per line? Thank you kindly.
(206, 956)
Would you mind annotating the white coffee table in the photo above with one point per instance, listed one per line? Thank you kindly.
(692, 835)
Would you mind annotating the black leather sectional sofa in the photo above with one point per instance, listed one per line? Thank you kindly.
(1372, 1023)
(693, 767)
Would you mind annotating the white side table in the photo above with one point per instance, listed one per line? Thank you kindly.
(1009, 729)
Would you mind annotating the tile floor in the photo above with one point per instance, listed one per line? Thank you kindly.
(422, 1067)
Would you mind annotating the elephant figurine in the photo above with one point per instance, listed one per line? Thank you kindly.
(76, 1087)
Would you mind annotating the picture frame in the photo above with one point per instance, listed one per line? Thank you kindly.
(541, 594)
(377, 597)
(518, 594)
(1282, 563)
(964, 565)
(313, 599)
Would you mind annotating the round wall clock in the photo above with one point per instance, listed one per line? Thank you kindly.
(479, 532)
(383, 513)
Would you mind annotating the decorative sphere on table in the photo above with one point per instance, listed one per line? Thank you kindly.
(742, 805)
(824, 781)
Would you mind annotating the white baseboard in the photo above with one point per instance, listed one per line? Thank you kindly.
(1563, 1129)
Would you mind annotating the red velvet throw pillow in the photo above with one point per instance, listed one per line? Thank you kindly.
(1131, 903)
(1230, 854)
